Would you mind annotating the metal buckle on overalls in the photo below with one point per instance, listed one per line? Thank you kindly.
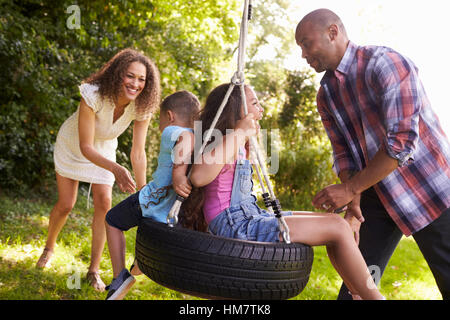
(229, 216)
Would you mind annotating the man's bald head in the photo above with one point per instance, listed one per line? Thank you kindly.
(322, 37)
(320, 20)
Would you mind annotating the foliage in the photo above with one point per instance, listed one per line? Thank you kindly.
(302, 152)
(271, 30)
(306, 160)
(43, 61)
(299, 113)
(193, 45)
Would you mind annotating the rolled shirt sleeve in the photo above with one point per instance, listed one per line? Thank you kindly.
(401, 103)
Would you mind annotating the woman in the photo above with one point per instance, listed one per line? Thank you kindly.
(126, 88)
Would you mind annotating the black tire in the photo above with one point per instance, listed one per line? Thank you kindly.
(208, 266)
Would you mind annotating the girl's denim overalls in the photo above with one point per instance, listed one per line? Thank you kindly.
(244, 219)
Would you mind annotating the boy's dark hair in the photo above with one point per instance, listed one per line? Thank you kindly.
(184, 103)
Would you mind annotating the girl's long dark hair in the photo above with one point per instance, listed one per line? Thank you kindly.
(191, 213)
(110, 77)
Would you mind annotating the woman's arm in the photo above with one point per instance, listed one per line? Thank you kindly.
(137, 155)
(86, 131)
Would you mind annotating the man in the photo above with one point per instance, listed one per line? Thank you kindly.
(390, 152)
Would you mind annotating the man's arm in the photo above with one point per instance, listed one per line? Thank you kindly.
(395, 81)
(338, 195)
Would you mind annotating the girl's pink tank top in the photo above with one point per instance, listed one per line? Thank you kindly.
(217, 194)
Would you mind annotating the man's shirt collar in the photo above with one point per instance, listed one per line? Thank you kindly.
(348, 58)
(345, 63)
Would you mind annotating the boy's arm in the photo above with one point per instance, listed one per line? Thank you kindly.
(182, 157)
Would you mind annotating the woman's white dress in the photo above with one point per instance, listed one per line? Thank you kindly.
(69, 161)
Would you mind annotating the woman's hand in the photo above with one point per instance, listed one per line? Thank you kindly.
(124, 179)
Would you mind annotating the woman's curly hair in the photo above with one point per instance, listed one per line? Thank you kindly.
(110, 77)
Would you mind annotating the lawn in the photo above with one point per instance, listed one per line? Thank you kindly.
(23, 233)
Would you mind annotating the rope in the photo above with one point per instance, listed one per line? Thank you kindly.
(238, 79)
(275, 204)
(243, 41)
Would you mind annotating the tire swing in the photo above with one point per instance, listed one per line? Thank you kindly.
(209, 266)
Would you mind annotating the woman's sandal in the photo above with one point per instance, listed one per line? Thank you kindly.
(45, 258)
(95, 281)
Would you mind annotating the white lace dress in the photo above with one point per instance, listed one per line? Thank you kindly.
(69, 161)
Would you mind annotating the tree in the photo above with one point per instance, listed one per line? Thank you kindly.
(43, 61)
(289, 99)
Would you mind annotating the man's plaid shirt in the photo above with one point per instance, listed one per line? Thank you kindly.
(375, 100)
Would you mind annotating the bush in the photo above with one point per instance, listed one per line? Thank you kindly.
(304, 152)
(302, 174)
(43, 62)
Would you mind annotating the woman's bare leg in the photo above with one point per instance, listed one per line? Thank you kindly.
(333, 231)
(67, 196)
(101, 195)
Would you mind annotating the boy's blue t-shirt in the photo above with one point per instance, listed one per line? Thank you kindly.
(157, 197)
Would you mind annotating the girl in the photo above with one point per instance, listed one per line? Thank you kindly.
(230, 210)
(126, 88)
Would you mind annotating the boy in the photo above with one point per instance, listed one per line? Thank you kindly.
(156, 198)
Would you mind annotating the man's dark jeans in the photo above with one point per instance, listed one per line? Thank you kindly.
(379, 237)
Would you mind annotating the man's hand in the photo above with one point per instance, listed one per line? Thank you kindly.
(354, 209)
(354, 217)
(333, 197)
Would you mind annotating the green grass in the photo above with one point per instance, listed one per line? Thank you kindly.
(23, 233)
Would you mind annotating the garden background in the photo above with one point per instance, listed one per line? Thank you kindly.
(45, 53)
